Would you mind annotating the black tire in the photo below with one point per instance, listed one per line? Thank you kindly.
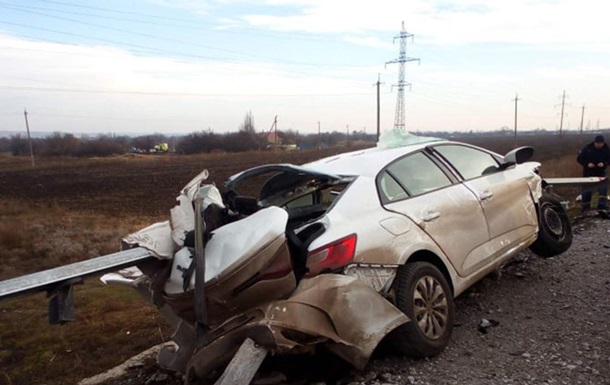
(422, 337)
(555, 231)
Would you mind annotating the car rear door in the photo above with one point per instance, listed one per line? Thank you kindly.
(504, 194)
(446, 210)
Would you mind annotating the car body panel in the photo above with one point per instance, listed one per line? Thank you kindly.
(507, 203)
(326, 309)
(454, 219)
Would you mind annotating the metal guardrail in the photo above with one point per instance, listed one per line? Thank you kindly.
(58, 282)
(50, 279)
(576, 182)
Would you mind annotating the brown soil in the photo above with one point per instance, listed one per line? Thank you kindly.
(134, 185)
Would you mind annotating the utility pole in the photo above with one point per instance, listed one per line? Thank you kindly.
(273, 126)
(347, 137)
(378, 106)
(563, 103)
(319, 137)
(582, 118)
(399, 120)
(27, 127)
(275, 136)
(516, 100)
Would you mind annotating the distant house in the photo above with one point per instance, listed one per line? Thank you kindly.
(274, 139)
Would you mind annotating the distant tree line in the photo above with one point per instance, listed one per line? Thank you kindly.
(61, 144)
(64, 144)
(246, 138)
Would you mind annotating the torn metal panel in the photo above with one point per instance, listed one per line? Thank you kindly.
(379, 277)
(360, 317)
(230, 246)
(264, 277)
(343, 313)
(176, 357)
(156, 238)
(183, 215)
(240, 240)
(196, 181)
(164, 238)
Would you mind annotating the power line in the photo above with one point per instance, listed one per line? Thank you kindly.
(105, 17)
(177, 54)
(152, 50)
(109, 10)
(103, 117)
(128, 31)
(161, 38)
(152, 93)
(191, 24)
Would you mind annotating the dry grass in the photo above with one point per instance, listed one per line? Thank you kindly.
(113, 323)
(35, 237)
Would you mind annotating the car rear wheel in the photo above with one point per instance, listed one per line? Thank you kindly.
(422, 293)
(555, 231)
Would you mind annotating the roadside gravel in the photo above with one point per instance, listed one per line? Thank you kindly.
(552, 328)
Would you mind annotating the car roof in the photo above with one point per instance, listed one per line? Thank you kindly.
(366, 162)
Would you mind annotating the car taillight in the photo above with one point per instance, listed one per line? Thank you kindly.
(332, 256)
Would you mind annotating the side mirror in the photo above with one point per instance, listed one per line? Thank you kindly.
(519, 155)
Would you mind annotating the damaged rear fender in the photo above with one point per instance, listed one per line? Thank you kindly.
(340, 312)
(357, 316)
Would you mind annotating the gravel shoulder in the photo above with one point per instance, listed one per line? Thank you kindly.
(552, 328)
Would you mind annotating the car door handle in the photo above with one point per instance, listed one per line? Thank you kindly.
(430, 215)
(486, 195)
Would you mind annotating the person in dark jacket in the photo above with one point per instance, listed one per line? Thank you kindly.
(594, 158)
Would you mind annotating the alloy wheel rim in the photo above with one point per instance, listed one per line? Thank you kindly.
(430, 307)
(553, 221)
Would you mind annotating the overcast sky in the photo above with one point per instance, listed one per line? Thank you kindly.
(178, 66)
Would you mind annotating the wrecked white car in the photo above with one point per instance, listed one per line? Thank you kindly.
(339, 252)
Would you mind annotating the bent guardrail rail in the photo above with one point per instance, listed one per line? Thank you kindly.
(57, 282)
(590, 181)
